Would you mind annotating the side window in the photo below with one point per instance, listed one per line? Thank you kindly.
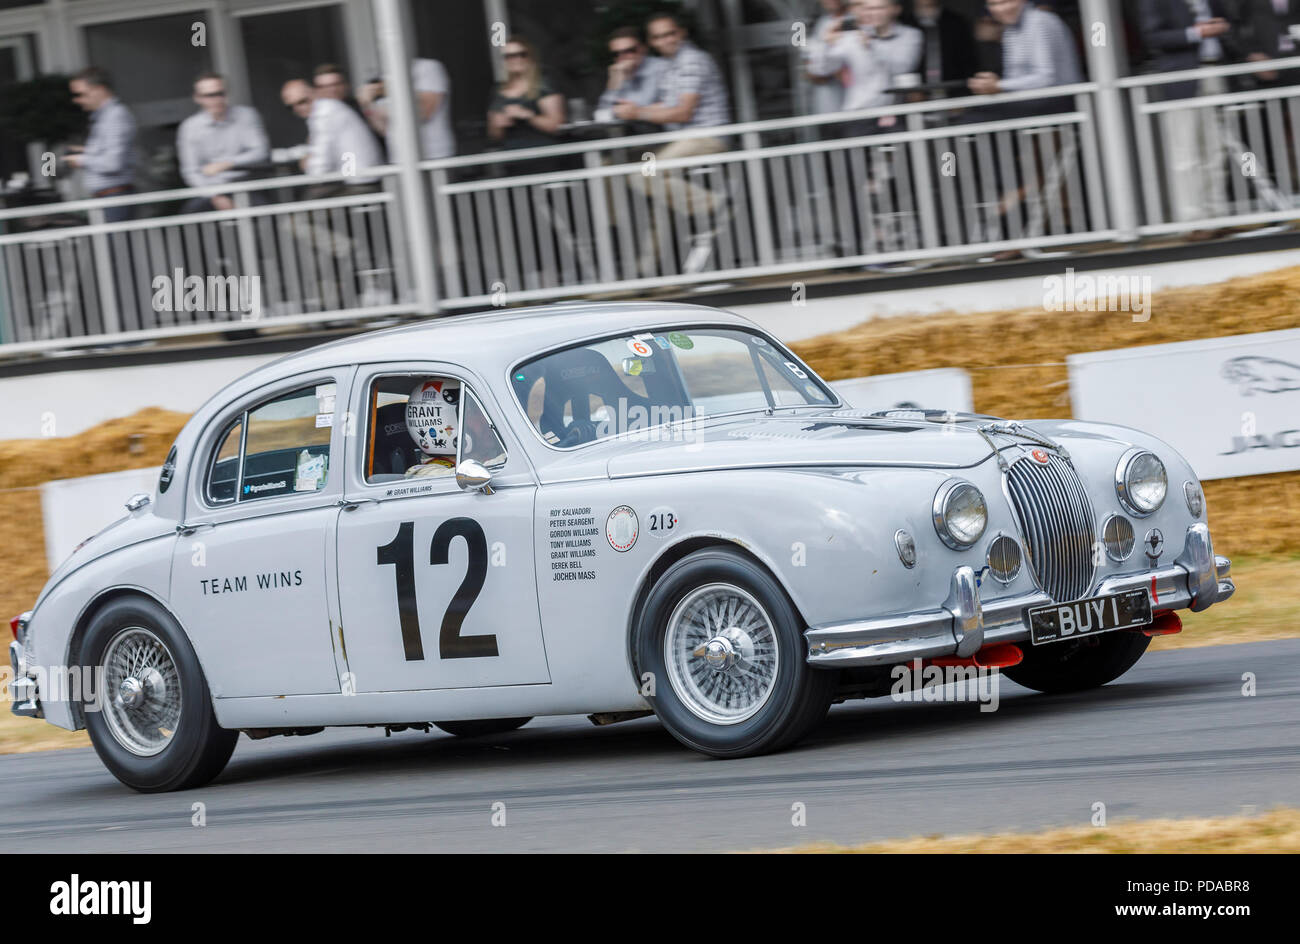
(281, 447)
(422, 425)
(414, 427)
(479, 440)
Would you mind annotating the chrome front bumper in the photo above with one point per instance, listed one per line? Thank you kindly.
(963, 624)
(22, 690)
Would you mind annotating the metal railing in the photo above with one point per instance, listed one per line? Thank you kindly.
(948, 179)
(88, 281)
(942, 181)
(1210, 157)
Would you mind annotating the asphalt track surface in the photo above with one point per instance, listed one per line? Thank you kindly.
(1174, 737)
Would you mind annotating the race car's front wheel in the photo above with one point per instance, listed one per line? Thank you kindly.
(470, 729)
(720, 654)
(1084, 663)
(149, 713)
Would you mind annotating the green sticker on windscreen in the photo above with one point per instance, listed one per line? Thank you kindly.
(680, 340)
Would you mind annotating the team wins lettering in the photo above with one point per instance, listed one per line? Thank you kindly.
(276, 580)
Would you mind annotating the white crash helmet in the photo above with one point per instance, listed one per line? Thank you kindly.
(431, 416)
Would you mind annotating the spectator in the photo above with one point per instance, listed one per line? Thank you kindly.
(691, 95)
(1038, 52)
(525, 112)
(875, 49)
(431, 88)
(338, 140)
(827, 90)
(331, 81)
(634, 77)
(948, 43)
(218, 143)
(1276, 28)
(107, 161)
(1186, 34)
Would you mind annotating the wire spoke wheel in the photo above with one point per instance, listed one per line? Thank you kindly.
(141, 691)
(722, 654)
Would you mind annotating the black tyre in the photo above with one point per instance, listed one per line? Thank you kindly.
(153, 727)
(1084, 663)
(724, 648)
(473, 729)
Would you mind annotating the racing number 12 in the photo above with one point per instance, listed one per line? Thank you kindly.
(400, 552)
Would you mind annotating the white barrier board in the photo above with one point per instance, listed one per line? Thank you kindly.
(1230, 405)
(74, 509)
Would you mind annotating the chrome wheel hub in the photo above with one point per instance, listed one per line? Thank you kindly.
(140, 676)
(721, 652)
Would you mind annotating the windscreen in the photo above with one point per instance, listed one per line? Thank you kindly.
(638, 381)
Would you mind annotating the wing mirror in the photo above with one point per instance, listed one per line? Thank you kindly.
(474, 477)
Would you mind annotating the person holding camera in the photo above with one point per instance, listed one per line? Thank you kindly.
(871, 49)
(431, 88)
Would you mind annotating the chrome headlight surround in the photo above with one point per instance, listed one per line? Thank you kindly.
(958, 500)
(1136, 476)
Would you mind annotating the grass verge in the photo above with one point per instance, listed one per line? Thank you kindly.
(1274, 831)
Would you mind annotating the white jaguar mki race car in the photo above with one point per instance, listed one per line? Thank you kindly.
(605, 509)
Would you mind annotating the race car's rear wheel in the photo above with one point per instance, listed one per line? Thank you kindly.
(149, 713)
(1084, 663)
(470, 729)
(723, 650)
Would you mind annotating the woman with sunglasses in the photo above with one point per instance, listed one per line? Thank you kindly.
(526, 111)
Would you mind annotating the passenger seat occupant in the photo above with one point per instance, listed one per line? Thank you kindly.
(431, 420)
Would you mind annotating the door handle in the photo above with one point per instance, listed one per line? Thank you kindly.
(352, 504)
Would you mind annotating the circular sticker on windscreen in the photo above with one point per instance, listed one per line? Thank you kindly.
(621, 528)
(640, 348)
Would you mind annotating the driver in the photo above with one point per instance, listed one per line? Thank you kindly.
(431, 420)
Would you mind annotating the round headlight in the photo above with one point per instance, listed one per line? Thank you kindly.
(959, 514)
(1140, 482)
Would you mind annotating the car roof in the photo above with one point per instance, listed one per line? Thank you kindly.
(492, 342)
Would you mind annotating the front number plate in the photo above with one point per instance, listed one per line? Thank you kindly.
(1089, 617)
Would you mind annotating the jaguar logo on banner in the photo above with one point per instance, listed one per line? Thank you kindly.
(1262, 375)
(1230, 405)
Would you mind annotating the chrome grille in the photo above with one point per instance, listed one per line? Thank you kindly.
(1056, 518)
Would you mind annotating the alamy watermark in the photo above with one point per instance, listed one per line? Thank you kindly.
(1084, 292)
(213, 293)
(916, 681)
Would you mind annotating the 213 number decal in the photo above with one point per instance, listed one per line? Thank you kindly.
(400, 552)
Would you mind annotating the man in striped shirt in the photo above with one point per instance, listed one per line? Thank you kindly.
(692, 94)
(691, 91)
(1038, 52)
